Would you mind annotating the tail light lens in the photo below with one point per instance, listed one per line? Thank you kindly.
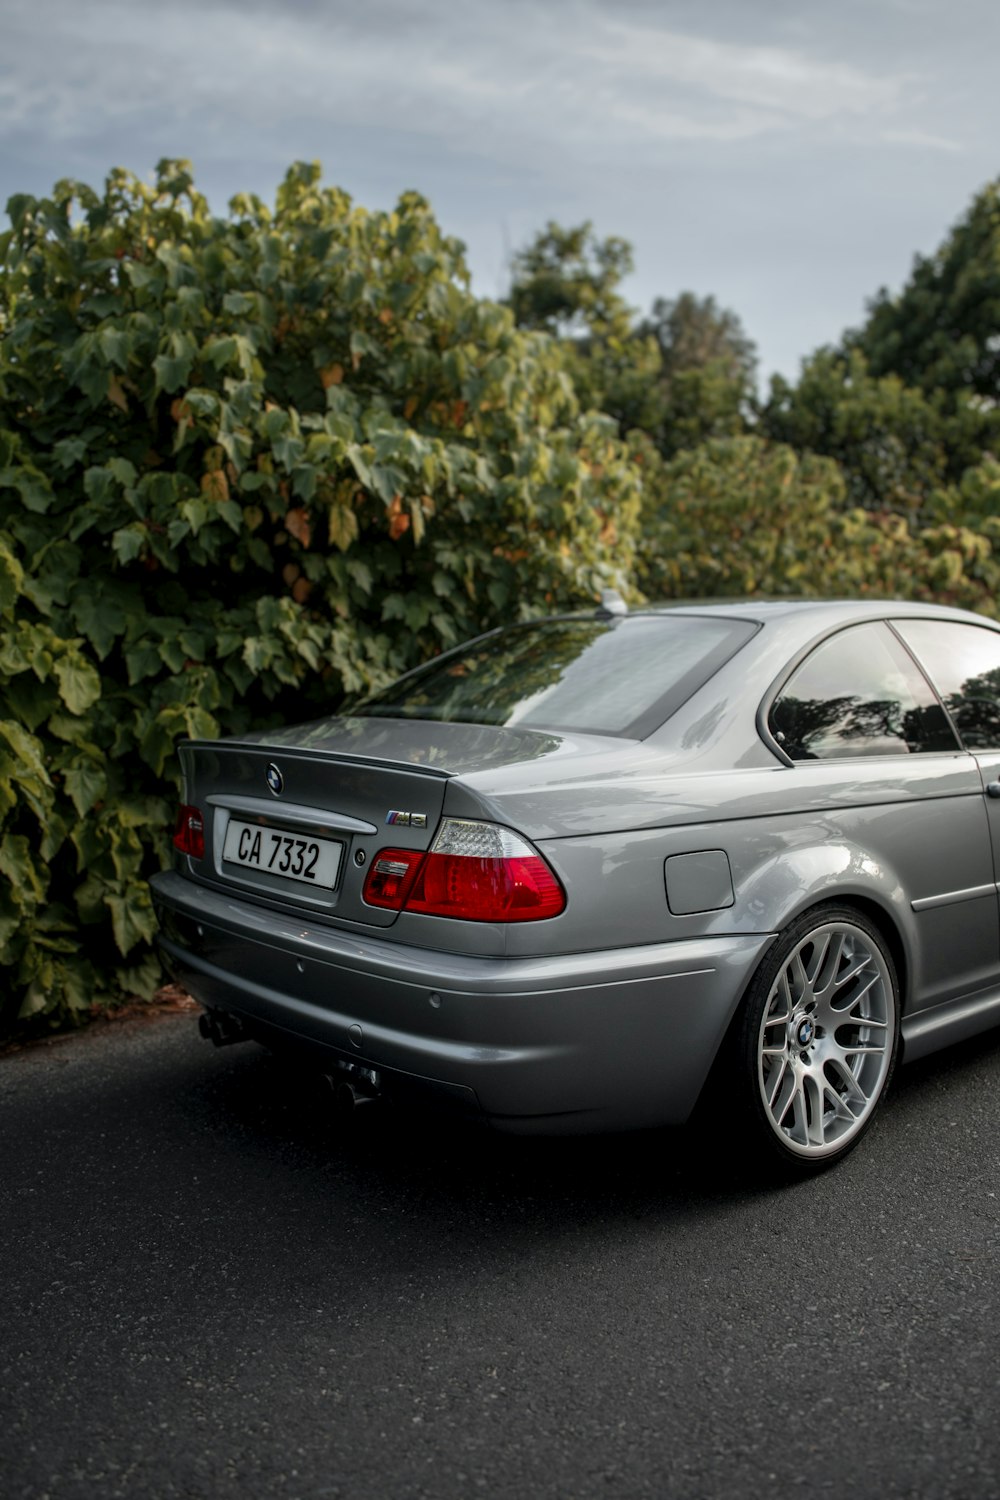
(478, 872)
(189, 834)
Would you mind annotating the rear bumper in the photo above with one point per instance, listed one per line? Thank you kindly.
(585, 1041)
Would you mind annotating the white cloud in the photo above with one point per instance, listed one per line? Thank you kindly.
(922, 139)
(514, 74)
(771, 78)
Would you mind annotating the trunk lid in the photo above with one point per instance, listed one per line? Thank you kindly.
(347, 786)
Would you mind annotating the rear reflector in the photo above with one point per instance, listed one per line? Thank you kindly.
(189, 833)
(391, 876)
(476, 872)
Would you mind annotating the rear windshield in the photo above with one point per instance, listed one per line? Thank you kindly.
(595, 676)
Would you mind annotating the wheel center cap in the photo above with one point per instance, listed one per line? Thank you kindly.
(805, 1031)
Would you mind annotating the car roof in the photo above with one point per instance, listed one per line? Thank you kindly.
(822, 611)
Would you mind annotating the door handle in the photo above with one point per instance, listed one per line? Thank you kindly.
(993, 789)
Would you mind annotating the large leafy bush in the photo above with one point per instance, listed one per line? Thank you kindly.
(248, 464)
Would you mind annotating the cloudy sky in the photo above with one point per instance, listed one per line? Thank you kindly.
(787, 156)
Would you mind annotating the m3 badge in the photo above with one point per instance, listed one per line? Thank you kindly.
(407, 819)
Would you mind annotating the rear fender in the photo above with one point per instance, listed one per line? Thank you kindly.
(792, 882)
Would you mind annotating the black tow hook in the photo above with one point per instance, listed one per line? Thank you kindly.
(220, 1027)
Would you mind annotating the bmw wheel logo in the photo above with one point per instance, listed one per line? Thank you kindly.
(274, 778)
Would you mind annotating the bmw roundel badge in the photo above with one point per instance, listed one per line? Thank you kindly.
(274, 778)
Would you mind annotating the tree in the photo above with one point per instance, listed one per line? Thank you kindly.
(942, 331)
(566, 282)
(706, 384)
(736, 516)
(694, 332)
(683, 375)
(744, 516)
(895, 444)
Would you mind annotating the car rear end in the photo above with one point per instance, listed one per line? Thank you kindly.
(348, 889)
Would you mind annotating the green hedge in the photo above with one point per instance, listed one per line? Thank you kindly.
(248, 464)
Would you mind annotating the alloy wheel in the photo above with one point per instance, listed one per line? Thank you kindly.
(826, 1039)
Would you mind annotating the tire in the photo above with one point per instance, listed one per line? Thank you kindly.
(818, 1039)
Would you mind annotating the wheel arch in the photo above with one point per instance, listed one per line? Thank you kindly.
(878, 912)
(788, 884)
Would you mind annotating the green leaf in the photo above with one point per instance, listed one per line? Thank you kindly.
(142, 979)
(219, 351)
(86, 784)
(69, 452)
(240, 304)
(142, 660)
(79, 683)
(389, 481)
(143, 277)
(288, 452)
(34, 489)
(114, 345)
(172, 371)
(100, 618)
(129, 542)
(97, 484)
(18, 864)
(361, 466)
(133, 920)
(123, 471)
(27, 748)
(11, 576)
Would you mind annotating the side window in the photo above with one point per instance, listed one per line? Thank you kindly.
(858, 694)
(963, 662)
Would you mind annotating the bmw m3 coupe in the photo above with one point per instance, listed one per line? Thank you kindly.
(560, 876)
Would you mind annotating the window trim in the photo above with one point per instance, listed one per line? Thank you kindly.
(788, 671)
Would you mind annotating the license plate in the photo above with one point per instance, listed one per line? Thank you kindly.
(293, 856)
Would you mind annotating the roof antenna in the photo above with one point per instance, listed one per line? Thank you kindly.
(612, 604)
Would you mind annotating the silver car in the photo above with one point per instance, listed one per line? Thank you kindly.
(558, 877)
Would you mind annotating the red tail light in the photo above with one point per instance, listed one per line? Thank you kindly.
(478, 872)
(189, 834)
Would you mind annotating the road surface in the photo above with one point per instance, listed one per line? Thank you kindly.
(209, 1289)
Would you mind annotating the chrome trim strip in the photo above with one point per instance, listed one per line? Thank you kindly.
(273, 812)
(952, 898)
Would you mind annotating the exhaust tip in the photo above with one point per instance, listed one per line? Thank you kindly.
(352, 1093)
(221, 1028)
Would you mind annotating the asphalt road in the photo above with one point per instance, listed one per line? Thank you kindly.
(208, 1290)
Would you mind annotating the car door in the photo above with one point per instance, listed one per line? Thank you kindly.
(860, 719)
(963, 663)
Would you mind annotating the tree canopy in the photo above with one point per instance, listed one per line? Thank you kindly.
(941, 333)
(682, 375)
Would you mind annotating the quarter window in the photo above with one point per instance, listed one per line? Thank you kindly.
(858, 693)
(963, 662)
